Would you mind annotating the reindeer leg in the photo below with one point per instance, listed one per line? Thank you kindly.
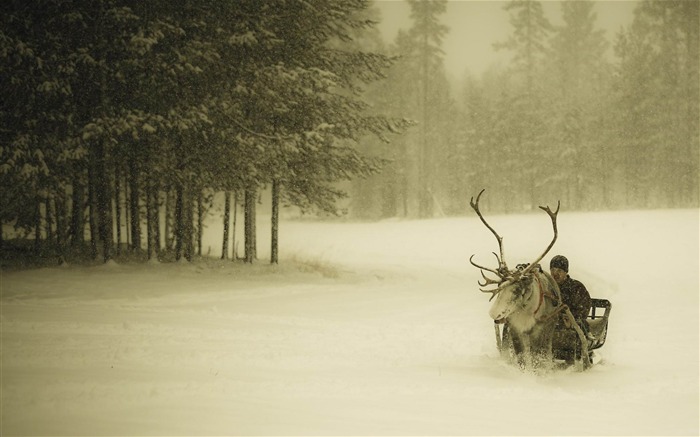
(499, 343)
(527, 352)
(515, 346)
(544, 356)
(585, 358)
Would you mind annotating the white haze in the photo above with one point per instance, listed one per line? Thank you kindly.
(475, 25)
(364, 328)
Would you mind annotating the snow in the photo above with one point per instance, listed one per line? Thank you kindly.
(364, 328)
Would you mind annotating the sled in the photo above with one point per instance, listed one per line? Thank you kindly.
(598, 323)
(595, 333)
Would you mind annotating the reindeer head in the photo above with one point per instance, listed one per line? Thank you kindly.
(513, 287)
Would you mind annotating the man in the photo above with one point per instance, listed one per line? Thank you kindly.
(573, 292)
(577, 298)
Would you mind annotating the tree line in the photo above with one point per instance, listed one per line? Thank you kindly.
(120, 114)
(562, 120)
(122, 117)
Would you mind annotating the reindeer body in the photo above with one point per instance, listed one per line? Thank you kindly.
(527, 300)
(529, 310)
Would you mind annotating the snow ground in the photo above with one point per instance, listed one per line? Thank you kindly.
(364, 328)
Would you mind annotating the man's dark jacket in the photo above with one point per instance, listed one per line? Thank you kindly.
(575, 295)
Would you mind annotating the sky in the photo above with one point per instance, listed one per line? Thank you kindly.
(476, 25)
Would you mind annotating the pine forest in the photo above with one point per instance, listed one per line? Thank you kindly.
(122, 121)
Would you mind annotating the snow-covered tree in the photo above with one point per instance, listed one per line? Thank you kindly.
(658, 104)
(579, 90)
(178, 97)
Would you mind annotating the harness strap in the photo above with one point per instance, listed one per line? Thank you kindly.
(544, 294)
(555, 312)
(539, 285)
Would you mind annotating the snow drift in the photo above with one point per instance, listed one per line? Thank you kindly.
(365, 328)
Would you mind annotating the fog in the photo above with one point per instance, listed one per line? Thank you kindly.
(591, 103)
(476, 25)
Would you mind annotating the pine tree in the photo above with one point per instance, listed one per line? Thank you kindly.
(580, 75)
(527, 121)
(185, 97)
(426, 34)
(227, 222)
(657, 105)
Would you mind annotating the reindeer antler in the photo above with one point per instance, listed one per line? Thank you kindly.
(502, 267)
(489, 281)
(553, 216)
(506, 276)
(495, 272)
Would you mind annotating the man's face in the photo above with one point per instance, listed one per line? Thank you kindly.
(558, 274)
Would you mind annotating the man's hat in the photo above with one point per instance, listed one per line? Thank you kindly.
(559, 262)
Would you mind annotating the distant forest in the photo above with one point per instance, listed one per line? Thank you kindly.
(121, 120)
(562, 121)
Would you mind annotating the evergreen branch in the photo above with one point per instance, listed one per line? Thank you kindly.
(261, 135)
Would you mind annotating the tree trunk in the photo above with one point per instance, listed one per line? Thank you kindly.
(200, 220)
(104, 202)
(104, 197)
(275, 222)
(249, 225)
(92, 199)
(227, 219)
(178, 222)
(135, 213)
(235, 222)
(425, 206)
(188, 209)
(118, 207)
(156, 217)
(183, 225)
(78, 219)
(50, 240)
(151, 219)
(692, 121)
(60, 207)
(37, 224)
(168, 219)
(127, 210)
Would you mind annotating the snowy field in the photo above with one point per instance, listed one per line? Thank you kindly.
(364, 328)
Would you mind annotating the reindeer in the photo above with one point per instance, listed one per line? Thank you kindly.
(528, 301)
